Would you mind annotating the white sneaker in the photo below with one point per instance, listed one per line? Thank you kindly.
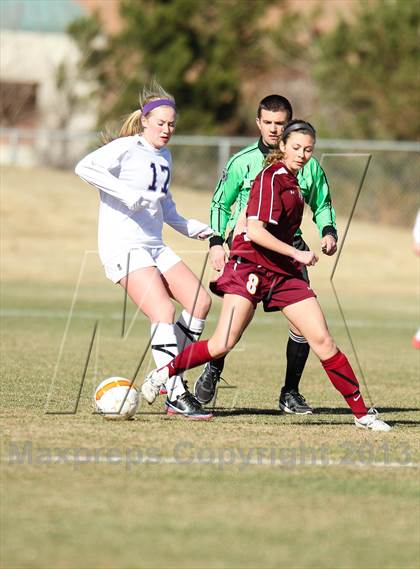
(153, 382)
(371, 422)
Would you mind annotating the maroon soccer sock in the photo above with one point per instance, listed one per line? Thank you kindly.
(342, 377)
(194, 355)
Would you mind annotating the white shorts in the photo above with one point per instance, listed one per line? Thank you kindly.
(162, 257)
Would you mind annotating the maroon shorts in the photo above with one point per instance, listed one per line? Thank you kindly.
(258, 284)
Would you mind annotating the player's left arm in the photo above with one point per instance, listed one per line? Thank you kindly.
(188, 227)
(316, 192)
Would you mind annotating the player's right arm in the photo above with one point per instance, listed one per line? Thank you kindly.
(225, 195)
(98, 167)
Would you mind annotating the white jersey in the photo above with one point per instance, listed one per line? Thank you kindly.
(133, 178)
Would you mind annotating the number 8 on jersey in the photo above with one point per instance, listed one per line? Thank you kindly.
(252, 283)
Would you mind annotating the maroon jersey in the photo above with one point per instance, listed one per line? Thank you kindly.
(276, 199)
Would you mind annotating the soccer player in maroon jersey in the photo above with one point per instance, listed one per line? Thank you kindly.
(265, 267)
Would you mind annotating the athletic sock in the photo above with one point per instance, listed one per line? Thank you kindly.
(188, 329)
(297, 353)
(194, 355)
(342, 377)
(164, 349)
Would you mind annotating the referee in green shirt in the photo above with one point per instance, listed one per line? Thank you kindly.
(233, 189)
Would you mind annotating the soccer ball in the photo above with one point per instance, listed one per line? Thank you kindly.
(116, 398)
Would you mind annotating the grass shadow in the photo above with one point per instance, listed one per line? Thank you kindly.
(227, 412)
(342, 410)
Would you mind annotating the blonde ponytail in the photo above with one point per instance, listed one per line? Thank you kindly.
(131, 125)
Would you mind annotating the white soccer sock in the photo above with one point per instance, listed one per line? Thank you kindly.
(188, 329)
(164, 349)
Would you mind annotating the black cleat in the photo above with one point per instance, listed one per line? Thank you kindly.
(205, 386)
(188, 406)
(293, 402)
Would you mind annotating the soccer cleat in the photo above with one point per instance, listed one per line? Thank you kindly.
(163, 390)
(293, 402)
(371, 422)
(153, 383)
(188, 406)
(205, 386)
(416, 342)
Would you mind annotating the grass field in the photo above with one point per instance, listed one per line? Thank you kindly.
(252, 488)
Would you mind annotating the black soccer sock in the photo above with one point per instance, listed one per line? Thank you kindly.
(297, 353)
(218, 364)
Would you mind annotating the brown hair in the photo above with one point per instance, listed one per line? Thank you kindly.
(296, 125)
(275, 103)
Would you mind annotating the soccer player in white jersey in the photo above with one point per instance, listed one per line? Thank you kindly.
(133, 173)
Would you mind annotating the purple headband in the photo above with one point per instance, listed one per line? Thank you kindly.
(157, 103)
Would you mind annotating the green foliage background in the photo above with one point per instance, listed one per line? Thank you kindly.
(369, 70)
(197, 50)
(210, 54)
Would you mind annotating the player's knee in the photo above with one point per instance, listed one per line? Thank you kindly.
(204, 304)
(165, 312)
(295, 330)
(325, 344)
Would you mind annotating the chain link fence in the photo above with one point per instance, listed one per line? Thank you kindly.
(390, 170)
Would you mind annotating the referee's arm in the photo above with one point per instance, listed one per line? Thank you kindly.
(225, 195)
(319, 200)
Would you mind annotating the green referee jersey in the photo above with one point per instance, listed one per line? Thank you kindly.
(236, 181)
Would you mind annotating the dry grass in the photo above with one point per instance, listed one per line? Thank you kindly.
(104, 515)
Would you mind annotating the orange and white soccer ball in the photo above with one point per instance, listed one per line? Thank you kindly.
(116, 398)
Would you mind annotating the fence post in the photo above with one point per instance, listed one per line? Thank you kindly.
(14, 146)
(223, 154)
